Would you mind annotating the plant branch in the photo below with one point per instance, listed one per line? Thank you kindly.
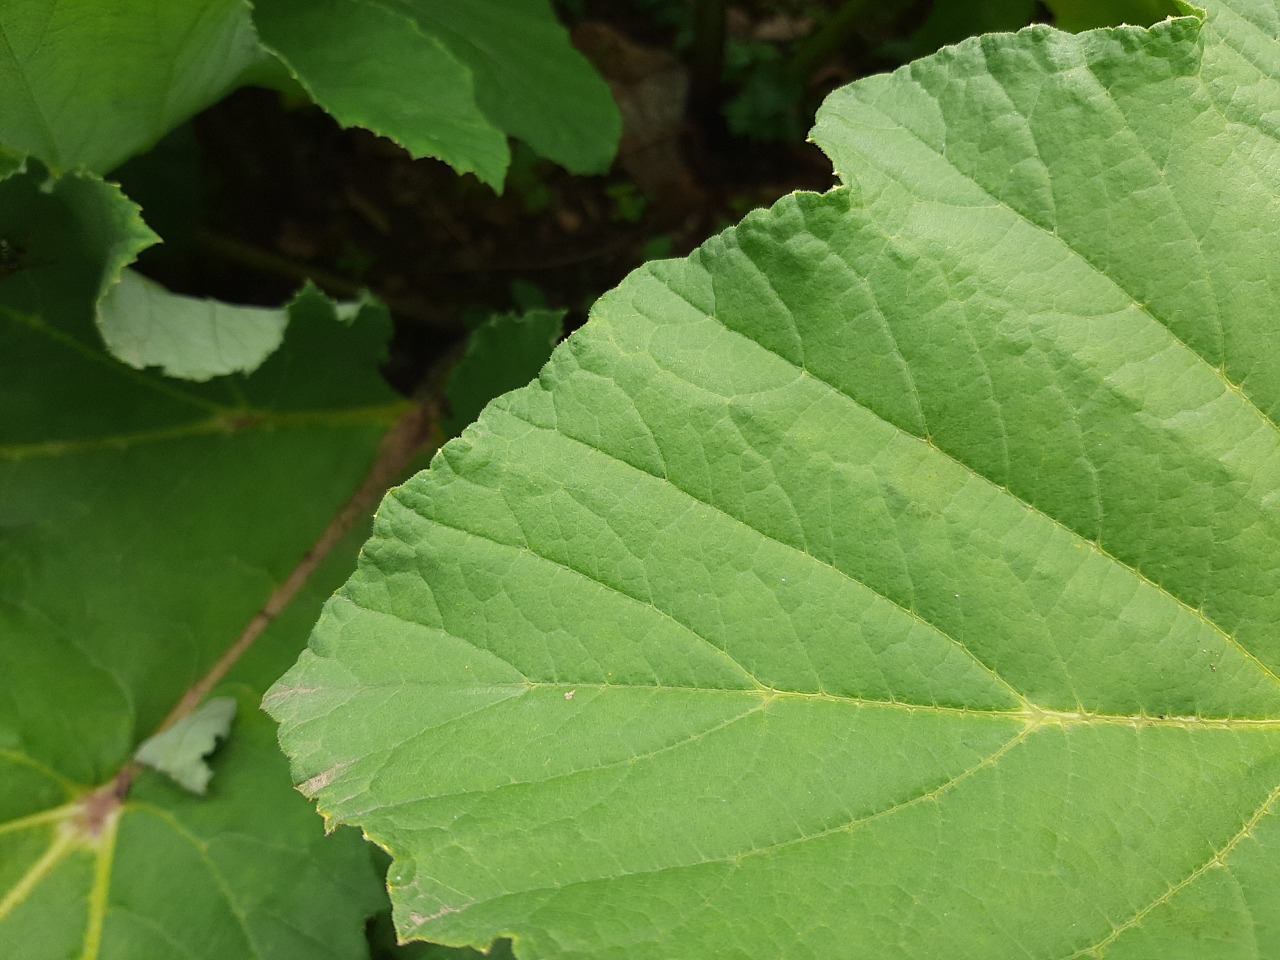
(415, 431)
(407, 438)
(265, 261)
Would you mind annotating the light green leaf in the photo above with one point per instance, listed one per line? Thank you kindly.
(145, 325)
(179, 751)
(146, 529)
(370, 65)
(89, 84)
(501, 355)
(895, 577)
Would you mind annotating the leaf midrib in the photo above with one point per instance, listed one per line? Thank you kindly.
(226, 422)
(1031, 714)
(896, 604)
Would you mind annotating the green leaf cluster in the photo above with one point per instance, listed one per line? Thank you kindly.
(895, 576)
(161, 542)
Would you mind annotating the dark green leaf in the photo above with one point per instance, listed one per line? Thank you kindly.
(502, 353)
(1079, 15)
(145, 525)
(529, 80)
(89, 84)
(370, 65)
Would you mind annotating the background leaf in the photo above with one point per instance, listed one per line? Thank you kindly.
(896, 576)
(145, 526)
(450, 81)
(145, 325)
(1078, 15)
(503, 353)
(88, 84)
(71, 238)
(529, 80)
(370, 65)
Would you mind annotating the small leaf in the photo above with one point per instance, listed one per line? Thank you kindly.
(180, 751)
(450, 80)
(529, 79)
(144, 325)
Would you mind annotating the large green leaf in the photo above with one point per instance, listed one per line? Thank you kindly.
(149, 528)
(895, 577)
(89, 84)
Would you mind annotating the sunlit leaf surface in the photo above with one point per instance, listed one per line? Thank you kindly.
(895, 577)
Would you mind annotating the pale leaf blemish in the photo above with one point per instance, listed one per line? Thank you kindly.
(569, 695)
(281, 696)
(419, 921)
(321, 780)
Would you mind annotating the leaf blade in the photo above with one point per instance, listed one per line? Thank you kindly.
(972, 456)
(180, 750)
